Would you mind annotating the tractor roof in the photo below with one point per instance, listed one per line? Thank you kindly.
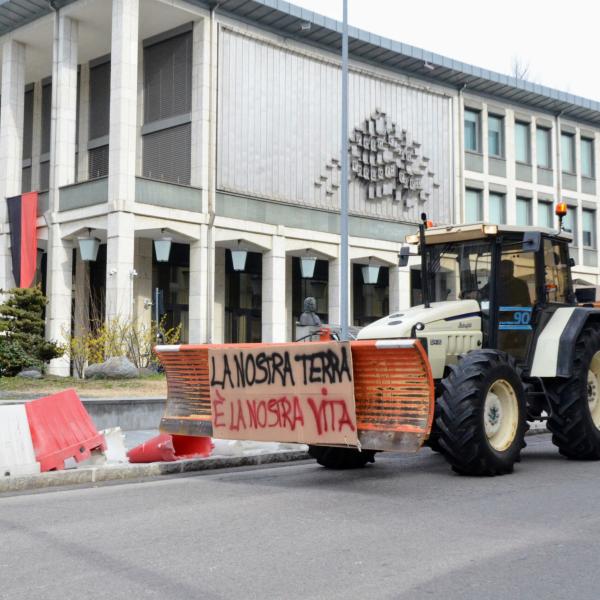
(475, 231)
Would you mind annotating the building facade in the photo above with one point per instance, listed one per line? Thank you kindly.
(215, 125)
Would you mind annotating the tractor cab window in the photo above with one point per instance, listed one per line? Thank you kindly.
(459, 271)
(556, 272)
(516, 277)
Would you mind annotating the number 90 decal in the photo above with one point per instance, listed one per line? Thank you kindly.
(521, 318)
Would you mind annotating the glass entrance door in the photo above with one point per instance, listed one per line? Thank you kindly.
(243, 300)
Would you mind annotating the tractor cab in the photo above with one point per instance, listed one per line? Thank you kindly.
(516, 275)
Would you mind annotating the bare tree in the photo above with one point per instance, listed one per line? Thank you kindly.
(520, 68)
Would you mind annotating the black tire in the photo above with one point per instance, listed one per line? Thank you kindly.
(332, 457)
(462, 430)
(573, 429)
(433, 441)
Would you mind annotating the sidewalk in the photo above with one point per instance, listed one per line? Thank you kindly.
(225, 455)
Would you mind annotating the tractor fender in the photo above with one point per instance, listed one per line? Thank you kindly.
(553, 356)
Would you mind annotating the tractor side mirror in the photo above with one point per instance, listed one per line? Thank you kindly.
(585, 295)
(403, 256)
(532, 241)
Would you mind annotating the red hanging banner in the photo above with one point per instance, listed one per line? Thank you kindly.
(22, 216)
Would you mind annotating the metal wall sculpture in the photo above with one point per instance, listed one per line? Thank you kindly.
(387, 162)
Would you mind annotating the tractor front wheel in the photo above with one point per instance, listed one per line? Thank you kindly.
(332, 457)
(575, 418)
(481, 420)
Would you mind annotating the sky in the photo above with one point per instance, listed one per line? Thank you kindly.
(560, 45)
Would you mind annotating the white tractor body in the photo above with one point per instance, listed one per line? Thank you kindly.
(446, 329)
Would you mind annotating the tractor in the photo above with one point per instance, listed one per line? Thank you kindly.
(507, 341)
(499, 339)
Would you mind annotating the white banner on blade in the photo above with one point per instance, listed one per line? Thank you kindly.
(283, 393)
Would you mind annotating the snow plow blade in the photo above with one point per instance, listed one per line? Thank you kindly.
(386, 400)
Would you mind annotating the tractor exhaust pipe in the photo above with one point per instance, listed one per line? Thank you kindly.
(424, 268)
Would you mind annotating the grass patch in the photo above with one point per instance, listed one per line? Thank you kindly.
(20, 387)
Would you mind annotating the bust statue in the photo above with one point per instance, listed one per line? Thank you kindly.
(309, 317)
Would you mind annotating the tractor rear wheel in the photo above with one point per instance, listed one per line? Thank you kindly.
(575, 418)
(332, 457)
(481, 418)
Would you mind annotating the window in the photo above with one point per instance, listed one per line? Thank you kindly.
(473, 212)
(544, 148)
(588, 228)
(522, 153)
(497, 214)
(523, 211)
(472, 126)
(98, 162)
(516, 288)
(27, 124)
(556, 262)
(168, 78)
(167, 105)
(44, 176)
(46, 117)
(99, 100)
(44, 182)
(495, 136)
(167, 154)
(545, 214)
(27, 141)
(570, 223)
(587, 157)
(567, 152)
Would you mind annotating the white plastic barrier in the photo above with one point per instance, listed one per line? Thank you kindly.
(16, 449)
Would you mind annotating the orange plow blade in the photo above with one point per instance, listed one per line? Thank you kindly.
(392, 391)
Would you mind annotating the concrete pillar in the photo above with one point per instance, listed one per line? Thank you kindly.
(198, 333)
(11, 145)
(64, 109)
(201, 108)
(123, 104)
(404, 301)
(81, 317)
(122, 159)
(142, 282)
(273, 292)
(62, 172)
(333, 291)
(120, 271)
(59, 292)
(399, 288)
(219, 297)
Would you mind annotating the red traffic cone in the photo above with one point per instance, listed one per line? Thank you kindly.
(167, 448)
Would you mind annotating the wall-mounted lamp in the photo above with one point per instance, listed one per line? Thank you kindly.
(370, 273)
(162, 248)
(307, 265)
(88, 247)
(238, 258)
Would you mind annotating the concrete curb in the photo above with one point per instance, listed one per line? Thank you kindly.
(105, 473)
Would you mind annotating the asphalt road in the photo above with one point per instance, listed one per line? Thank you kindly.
(404, 528)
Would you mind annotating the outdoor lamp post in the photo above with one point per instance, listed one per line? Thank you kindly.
(238, 258)
(162, 248)
(88, 247)
(370, 273)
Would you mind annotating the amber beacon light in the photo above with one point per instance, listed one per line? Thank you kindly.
(561, 209)
(561, 213)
